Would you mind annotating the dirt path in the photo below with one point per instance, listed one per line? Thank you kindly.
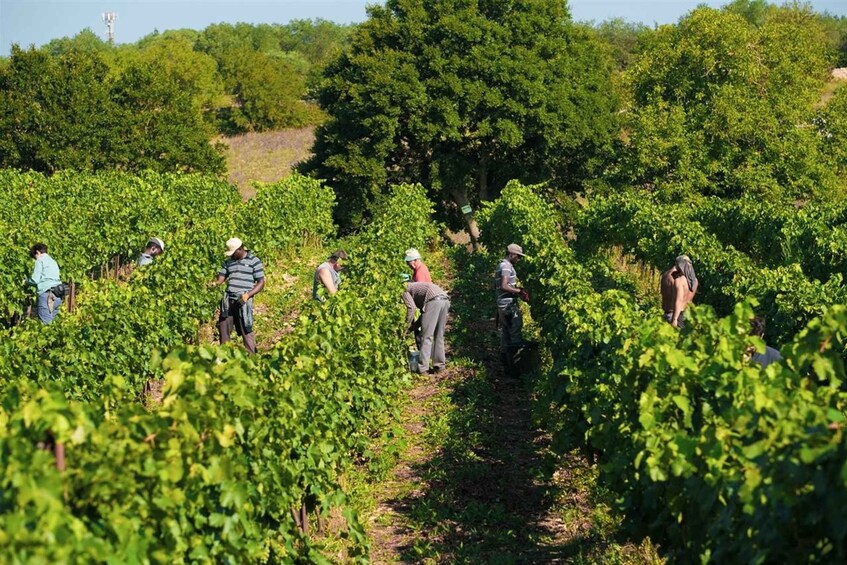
(478, 482)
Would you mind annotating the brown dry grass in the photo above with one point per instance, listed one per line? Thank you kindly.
(265, 157)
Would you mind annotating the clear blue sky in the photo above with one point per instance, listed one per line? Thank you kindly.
(38, 21)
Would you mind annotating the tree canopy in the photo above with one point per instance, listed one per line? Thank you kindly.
(69, 111)
(462, 97)
(723, 103)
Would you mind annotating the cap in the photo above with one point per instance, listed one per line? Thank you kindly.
(411, 255)
(157, 241)
(232, 245)
(516, 249)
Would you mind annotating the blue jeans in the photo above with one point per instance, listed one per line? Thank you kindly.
(44, 313)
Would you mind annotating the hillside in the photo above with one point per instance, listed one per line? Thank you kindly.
(265, 157)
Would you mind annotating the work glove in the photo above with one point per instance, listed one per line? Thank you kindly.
(524, 295)
(243, 298)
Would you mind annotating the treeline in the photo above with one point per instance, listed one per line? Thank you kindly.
(463, 99)
(80, 103)
(725, 102)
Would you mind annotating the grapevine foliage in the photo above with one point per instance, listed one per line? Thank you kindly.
(710, 454)
(214, 473)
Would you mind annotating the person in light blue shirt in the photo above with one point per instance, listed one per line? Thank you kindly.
(45, 277)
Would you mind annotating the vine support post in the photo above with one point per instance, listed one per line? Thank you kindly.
(59, 452)
(71, 296)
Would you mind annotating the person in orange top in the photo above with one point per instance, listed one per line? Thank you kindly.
(420, 271)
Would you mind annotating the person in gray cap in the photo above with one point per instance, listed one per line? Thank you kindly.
(155, 247)
(327, 276)
(419, 269)
(507, 294)
(678, 286)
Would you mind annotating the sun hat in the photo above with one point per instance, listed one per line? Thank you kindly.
(232, 245)
(158, 242)
(411, 255)
(516, 249)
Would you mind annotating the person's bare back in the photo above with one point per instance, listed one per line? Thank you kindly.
(675, 295)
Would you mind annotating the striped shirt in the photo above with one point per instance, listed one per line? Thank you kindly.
(242, 275)
(417, 295)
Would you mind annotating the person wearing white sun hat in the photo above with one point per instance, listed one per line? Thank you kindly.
(245, 277)
(155, 247)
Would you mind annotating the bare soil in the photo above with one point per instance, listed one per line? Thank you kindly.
(265, 157)
(487, 489)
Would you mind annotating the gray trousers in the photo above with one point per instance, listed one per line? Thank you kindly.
(433, 322)
(511, 327)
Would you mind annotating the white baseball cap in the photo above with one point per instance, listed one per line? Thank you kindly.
(411, 255)
(158, 242)
(232, 245)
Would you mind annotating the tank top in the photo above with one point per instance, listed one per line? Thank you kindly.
(317, 285)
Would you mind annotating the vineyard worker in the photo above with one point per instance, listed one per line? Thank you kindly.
(45, 277)
(155, 247)
(420, 272)
(434, 305)
(245, 276)
(770, 355)
(327, 275)
(507, 295)
(678, 285)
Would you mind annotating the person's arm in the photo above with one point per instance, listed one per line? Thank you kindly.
(37, 273)
(326, 279)
(680, 291)
(257, 288)
(410, 310)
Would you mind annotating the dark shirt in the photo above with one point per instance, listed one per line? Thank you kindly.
(769, 356)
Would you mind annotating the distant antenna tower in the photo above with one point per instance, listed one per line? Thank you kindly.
(109, 19)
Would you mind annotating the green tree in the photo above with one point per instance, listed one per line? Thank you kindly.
(621, 39)
(462, 96)
(55, 112)
(195, 72)
(721, 106)
(160, 128)
(73, 111)
(267, 90)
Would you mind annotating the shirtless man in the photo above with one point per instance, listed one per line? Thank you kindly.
(679, 285)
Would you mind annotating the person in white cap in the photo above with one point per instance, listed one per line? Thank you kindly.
(507, 295)
(420, 272)
(155, 247)
(245, 277)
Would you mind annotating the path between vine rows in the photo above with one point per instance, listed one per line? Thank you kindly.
(477, 481)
